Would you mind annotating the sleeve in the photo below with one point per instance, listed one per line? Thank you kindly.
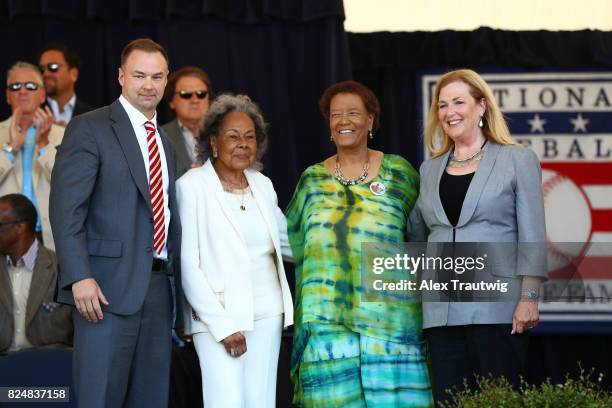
(7, 161)
(196, 288)
(294, 215)
(530, 214)
(417, 231)
(281, 221)
(72, 183)
(47, 155)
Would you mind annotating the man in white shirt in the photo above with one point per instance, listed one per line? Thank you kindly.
(117, 232)
(188, 94)
(60, 67)
(28, 272)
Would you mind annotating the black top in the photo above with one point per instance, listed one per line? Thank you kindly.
(452, 193)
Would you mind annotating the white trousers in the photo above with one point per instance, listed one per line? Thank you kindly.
(248, 381)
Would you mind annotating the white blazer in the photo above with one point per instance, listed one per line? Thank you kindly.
(215, 263)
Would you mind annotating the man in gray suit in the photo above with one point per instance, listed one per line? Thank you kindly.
(188, 94)
(28, 272)
(117, 232)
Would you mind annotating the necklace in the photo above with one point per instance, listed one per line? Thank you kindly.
(459, 163)
(351, 182)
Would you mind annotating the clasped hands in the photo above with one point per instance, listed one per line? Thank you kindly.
(43, 119)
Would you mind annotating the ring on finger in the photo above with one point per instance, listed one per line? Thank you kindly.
(233, 352)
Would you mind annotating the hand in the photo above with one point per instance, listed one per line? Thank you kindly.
(43, 119)
(17, 135)
(526, 316)
(87, 297)
(235, 344)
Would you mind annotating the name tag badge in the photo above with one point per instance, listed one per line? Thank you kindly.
(378, 188)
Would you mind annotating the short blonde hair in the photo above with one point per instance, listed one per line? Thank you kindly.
(494, 125)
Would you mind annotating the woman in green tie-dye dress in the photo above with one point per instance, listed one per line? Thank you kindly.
(348, 352)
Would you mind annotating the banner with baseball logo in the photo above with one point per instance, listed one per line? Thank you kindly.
(566, 118)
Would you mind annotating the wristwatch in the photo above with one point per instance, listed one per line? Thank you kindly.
(530, 295)
(8, 148)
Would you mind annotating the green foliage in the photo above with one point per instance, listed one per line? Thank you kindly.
(498, 393)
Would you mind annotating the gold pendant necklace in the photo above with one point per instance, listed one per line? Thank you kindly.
(231, 188)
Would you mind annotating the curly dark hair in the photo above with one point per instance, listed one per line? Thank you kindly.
(222, 106)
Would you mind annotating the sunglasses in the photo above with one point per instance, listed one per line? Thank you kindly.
(52, 67)
(30, 86)
(189, 94)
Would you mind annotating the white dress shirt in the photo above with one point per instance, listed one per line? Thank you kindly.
(138, 120)
(66, 115)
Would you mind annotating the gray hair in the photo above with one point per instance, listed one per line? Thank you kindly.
(222, 106)
(24, 65)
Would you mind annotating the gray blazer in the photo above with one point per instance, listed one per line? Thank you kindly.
(45, 326)
(503, 204)
(175, 137)
(101, 213)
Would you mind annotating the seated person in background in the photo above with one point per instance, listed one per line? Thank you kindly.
(29, 141)
(28, 272)
(60, 66)
(188, 94)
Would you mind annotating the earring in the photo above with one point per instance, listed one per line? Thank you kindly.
(480, 124)
(215, 153)
(331, 138)
(370, 134)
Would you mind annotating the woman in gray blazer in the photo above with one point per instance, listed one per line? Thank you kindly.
(479, 186)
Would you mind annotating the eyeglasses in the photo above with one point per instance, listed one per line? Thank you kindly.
(30, 86)
(52, 67)
(189, 94)
(2, 224)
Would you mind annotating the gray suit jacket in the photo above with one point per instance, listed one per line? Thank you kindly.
(101, 213)
(44, 327)
(175, 137)
(503, 204)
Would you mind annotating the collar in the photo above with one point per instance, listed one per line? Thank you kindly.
(137, 118)
(70, 104)
(28, 259)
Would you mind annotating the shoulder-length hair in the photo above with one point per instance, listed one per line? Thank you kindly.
(494, 125)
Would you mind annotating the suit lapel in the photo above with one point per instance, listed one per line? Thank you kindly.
(42, 277)
(478, 183)
(213, 180)
(127, 139)
(179, 142)
(170, 158)
(6, 294)
(438, 208)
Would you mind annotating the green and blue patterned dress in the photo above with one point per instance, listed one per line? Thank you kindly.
(348, 352)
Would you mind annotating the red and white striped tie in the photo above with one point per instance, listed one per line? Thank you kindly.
(156, 189)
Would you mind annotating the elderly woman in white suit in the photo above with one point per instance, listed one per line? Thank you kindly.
(234, 238)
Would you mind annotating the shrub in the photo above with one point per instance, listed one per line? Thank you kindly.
(498, 393)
